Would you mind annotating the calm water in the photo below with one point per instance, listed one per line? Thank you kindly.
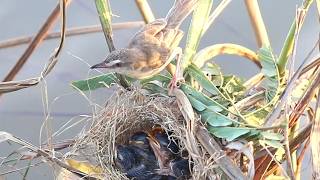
(21, 112)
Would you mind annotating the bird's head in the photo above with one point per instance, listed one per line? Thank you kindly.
(116, 61)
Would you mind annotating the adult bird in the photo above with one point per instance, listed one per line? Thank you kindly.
(153, 47)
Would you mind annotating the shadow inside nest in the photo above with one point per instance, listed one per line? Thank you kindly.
(137, 137)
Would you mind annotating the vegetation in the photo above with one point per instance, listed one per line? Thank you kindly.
(255, 122)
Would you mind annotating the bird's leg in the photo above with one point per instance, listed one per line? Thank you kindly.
(177, 77)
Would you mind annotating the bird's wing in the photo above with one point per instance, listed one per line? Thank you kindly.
(148, 34)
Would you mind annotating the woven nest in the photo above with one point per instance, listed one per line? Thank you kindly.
(128, 112)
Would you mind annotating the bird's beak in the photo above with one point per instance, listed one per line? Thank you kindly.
(100, 65)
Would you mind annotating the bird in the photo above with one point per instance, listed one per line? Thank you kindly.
(180, 167)
(136, 162)
(153, 47)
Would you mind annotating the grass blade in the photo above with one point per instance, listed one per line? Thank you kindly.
(199, 19)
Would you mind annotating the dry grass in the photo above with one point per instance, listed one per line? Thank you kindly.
(128, 112)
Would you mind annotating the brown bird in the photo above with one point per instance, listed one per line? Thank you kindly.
(153, 47)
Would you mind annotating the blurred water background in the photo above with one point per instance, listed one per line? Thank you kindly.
(21, 112)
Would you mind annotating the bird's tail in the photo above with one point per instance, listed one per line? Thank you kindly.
(180, 10)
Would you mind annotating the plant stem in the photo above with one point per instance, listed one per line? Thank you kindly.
(35, 43)
(288, 44)
(69, 32)
(257, 23)
(145, 11)
(104, 12)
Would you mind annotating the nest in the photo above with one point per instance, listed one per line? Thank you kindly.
(128, 112)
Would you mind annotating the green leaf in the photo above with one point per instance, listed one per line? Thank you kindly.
(233, 86)
(96, 82)
(188, 90)
(199, 106)
(213, 71)
(270, 70)
(215, 119)
(272, 143)
(161, 78)
(204, 82)
(229, 133)
(272, 136)
(199, 19)
(154, 88)
(104, 12)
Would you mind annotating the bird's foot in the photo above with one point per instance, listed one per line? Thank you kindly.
(174, 84)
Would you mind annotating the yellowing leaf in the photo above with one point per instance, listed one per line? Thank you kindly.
(86, 168)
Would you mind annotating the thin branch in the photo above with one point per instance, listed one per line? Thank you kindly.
(315, 145)
(304, 101)
(10, 86)
(257, 23)
(300, 158)
(290, 170)
(35, 42)
(70, 32)
(145, 11)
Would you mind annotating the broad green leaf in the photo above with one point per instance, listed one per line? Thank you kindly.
(215, 119)
(270, 70)
(199, 106)
(188, 90)
(229, 133)
(272, 136)
(204, 82)
(199, 19)
(96, 82)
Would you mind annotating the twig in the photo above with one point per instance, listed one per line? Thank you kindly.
(300, 158)
(70, 32)
(273, 117)
(6, 87)
(304, 101)
(257, 22)
(145, 11)
(35, 43)
(290, 170)
(264, 161)
(315, 145)
(224, 162)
